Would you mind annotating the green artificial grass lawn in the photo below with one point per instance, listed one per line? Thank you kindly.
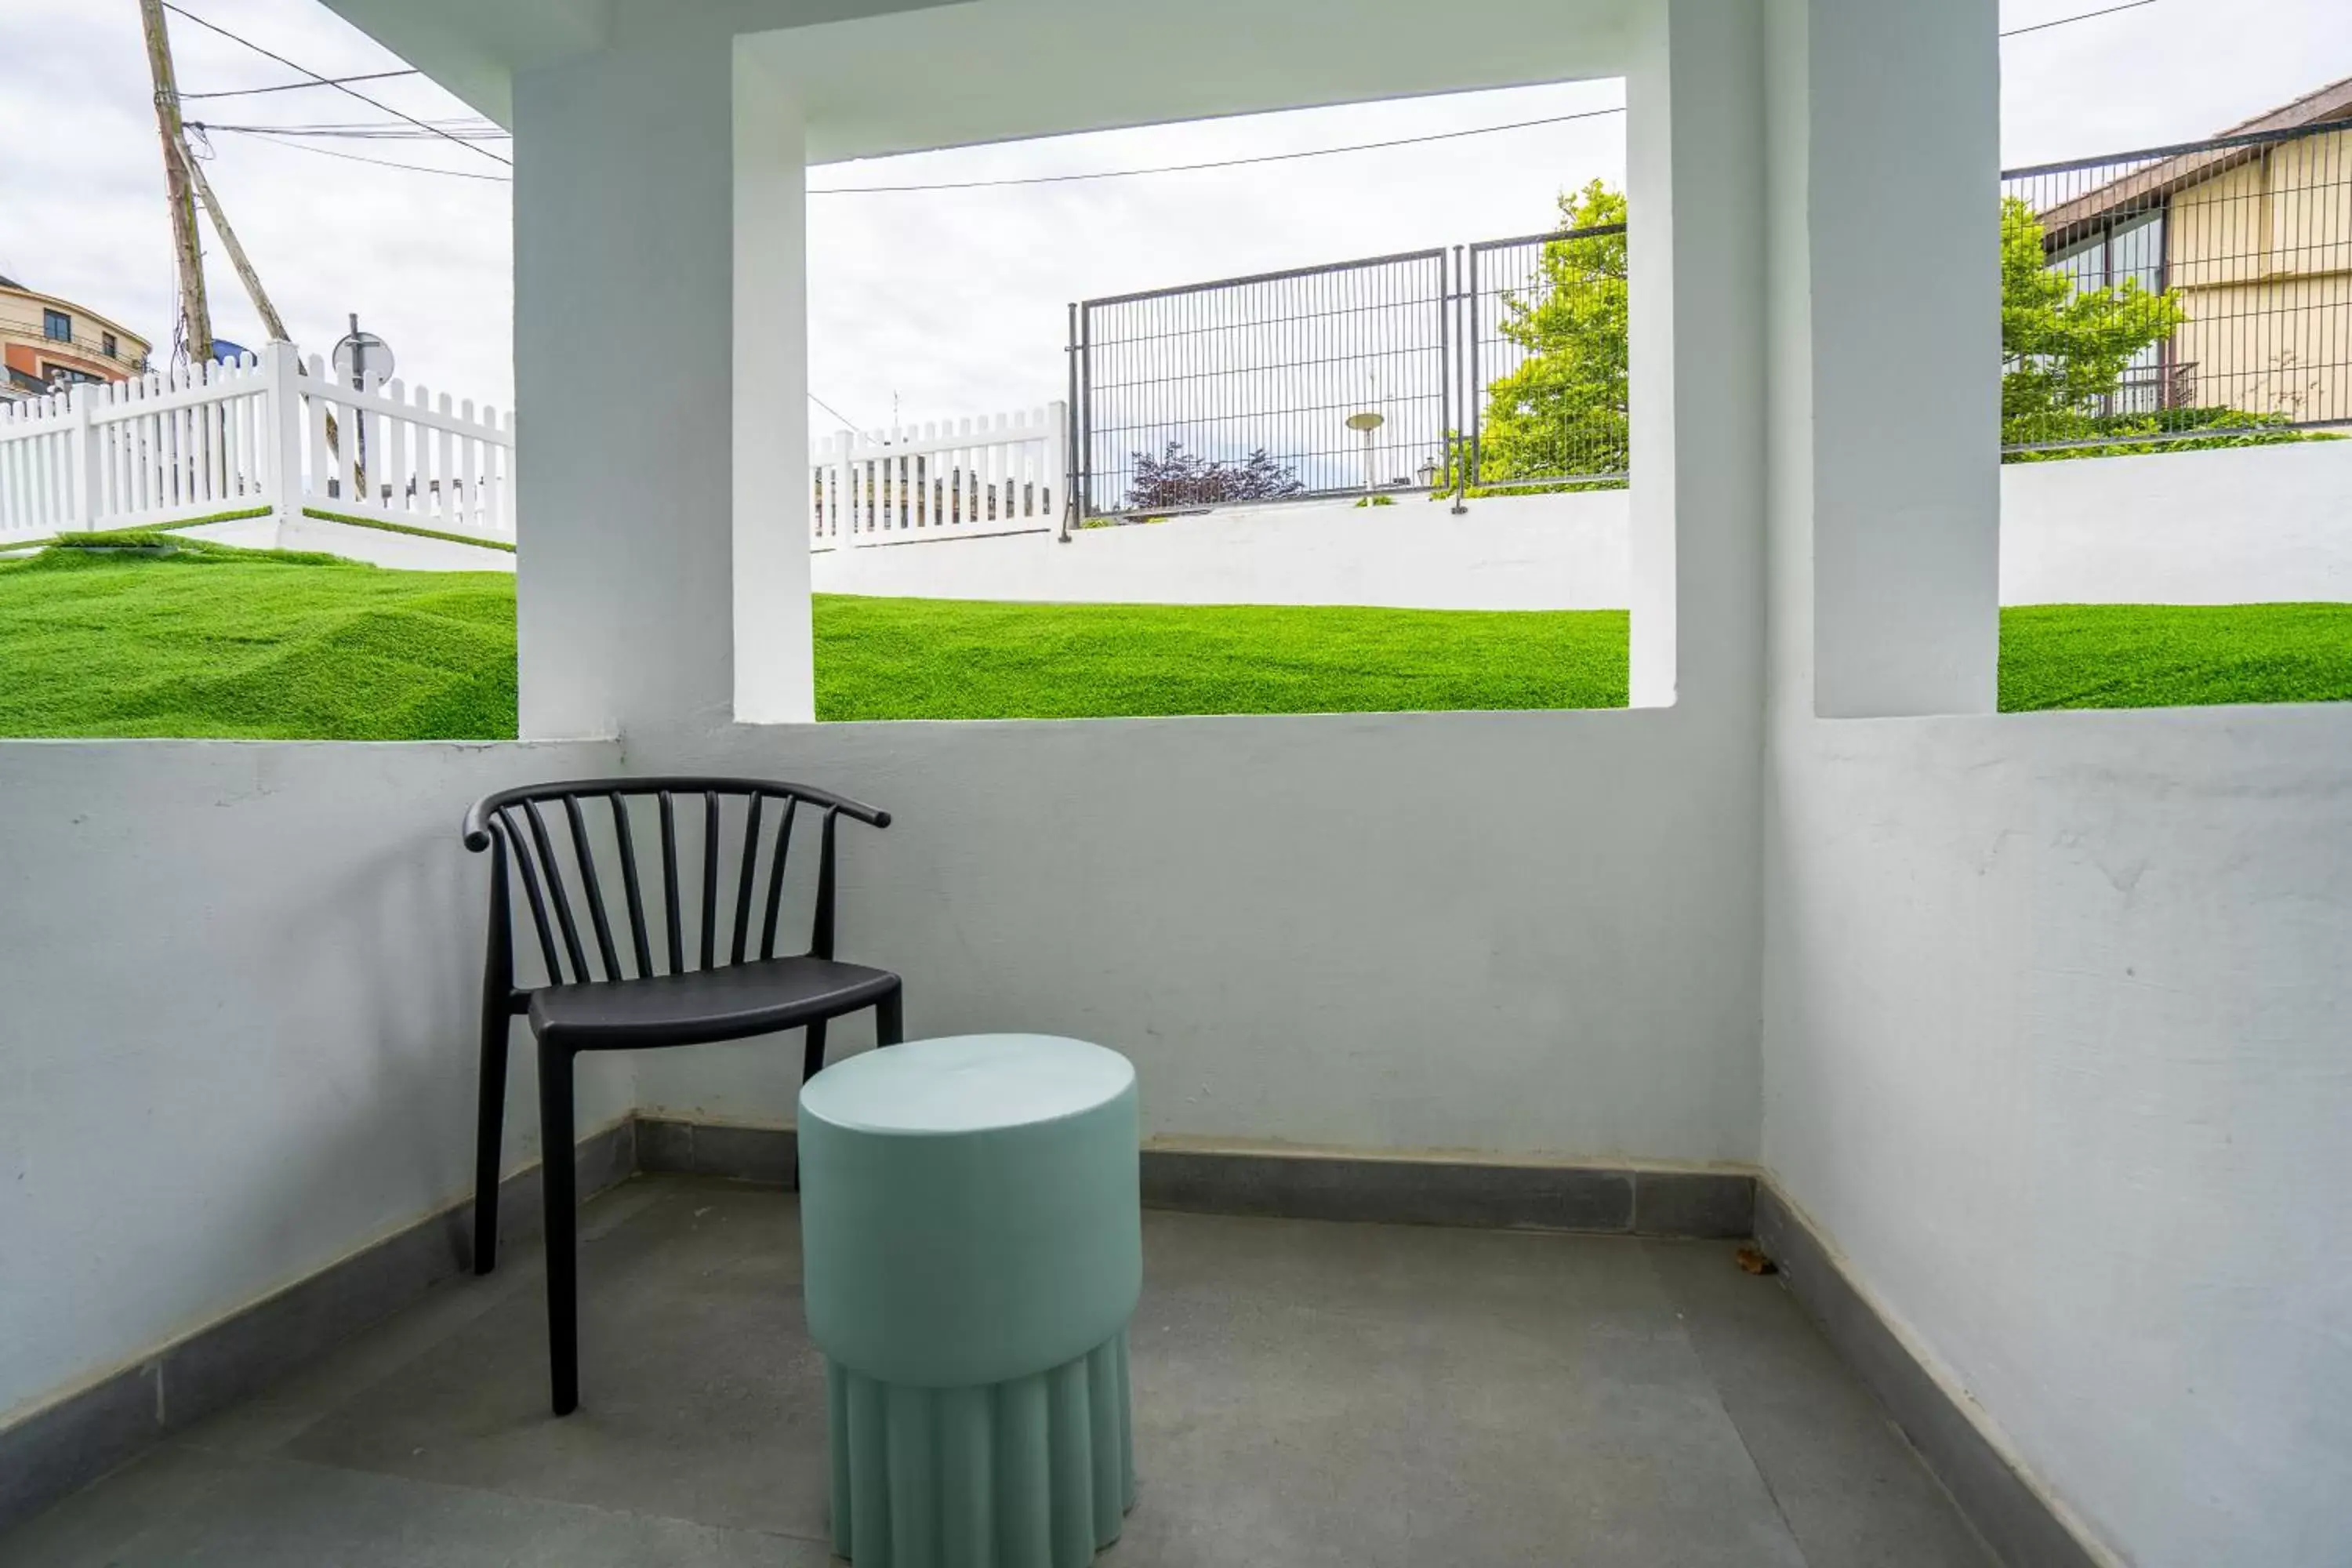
(208, 641)
(2173, 656)
(259, 645)
(949, 659)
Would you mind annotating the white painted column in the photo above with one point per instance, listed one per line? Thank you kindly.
(623, 343)
(775, 679)
(1695, 208)
(1884, 206)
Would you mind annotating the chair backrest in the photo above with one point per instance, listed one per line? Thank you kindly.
(597, 843)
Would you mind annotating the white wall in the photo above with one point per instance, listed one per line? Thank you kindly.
(239, 1034)
(2055, 1052)
(1534, 553)
(1527, 934)
(2251, 525)
(2238, 526)
(2055, 1047)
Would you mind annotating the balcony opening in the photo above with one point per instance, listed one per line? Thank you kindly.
(2176, 395)
(1309, 412)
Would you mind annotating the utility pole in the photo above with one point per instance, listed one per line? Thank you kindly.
(252, 280)
(185, 242)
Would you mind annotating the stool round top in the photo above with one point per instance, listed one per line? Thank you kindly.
(966, 1083)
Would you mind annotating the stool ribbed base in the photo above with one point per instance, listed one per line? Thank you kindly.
(1034, 1472)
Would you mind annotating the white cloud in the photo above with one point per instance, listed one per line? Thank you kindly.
(952, 300)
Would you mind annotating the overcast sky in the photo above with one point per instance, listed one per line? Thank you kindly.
(950, 301)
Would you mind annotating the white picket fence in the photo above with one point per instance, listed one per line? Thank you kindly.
(273, 433)
(963, 479)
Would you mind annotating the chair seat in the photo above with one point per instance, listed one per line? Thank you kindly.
(722, 1003)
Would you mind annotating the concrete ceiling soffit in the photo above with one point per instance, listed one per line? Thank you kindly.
(908, 78)
(474, 47)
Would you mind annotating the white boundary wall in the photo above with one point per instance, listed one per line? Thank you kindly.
(1535, 553)
(2247, 525)
(2238, 526)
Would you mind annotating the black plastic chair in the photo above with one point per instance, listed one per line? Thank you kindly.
(613, 1005)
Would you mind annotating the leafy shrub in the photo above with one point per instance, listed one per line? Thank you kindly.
(1177, 478)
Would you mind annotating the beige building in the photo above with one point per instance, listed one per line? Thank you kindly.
(45, 341)
(2255, 237)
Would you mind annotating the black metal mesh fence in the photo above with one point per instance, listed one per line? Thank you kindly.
(1504, 368)
(1546, 361)
(1321, 381)
(2198, 294)
(2201, 291)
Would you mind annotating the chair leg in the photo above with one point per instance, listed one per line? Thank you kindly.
(558, 1186)
(811, 1063)
(889, 1019)
(488, 1129)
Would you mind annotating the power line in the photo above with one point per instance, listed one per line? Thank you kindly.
(361, 132)
(1218, 164)
(327, 81)
(464, 135)
(2038, 26)
(298, 85)
(355, 158)
(836, 412)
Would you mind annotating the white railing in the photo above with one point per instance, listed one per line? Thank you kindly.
(274, 433)
(968, 480)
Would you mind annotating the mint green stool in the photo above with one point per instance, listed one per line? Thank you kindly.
(972, 1248)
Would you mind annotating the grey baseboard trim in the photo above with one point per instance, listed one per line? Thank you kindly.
(2013, 1516)
(1285, 1186)
(767, 1156)
(65, 1446)
(1465, 1193)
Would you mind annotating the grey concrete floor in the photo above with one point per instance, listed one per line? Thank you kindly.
(1305, 1394)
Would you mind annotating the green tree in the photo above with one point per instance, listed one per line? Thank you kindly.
(1564, 409)
(2063, 348)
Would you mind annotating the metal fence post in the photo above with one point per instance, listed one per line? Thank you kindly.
(1070, 517)
(1457, 448)
(1445, 367)
(1474, 402)
(1082, 494)
(1056, 466)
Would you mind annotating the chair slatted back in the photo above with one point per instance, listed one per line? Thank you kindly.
(593, 849)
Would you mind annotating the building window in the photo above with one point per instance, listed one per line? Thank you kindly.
(2129, 248)
(67, 375)
(57, 325)
(106, 343)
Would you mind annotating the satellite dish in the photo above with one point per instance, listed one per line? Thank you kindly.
(1366, 421)
(358, 347)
